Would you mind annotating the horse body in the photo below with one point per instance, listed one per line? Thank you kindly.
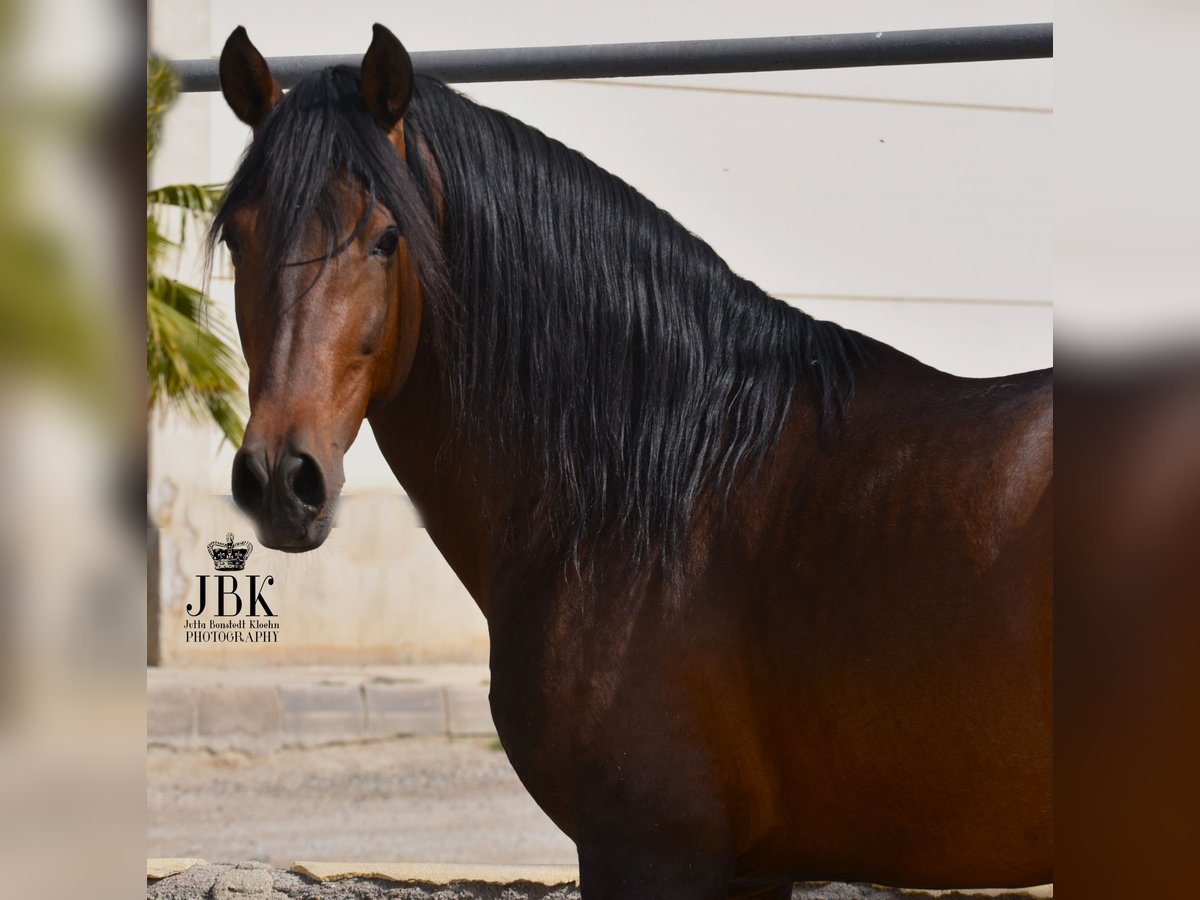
(841, 670)
(847, 673)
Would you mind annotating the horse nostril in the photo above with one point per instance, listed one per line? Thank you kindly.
(249, 482)
(305, 479)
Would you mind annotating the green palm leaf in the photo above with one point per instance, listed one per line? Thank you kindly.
(191, 369)
(198, 199)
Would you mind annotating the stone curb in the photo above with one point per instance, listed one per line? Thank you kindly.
(258, 716)
(442, 881)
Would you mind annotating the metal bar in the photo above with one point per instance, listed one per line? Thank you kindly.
(770, 54)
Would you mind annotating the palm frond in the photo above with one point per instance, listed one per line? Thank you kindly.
(197, 199)
(190, 368)
(192, 204)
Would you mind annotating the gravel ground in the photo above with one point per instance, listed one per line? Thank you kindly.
(227, 883)
(204, 882)
(409, 799)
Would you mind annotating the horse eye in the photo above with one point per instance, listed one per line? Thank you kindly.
(386, 245)
(234, 248)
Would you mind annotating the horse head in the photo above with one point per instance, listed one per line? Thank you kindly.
(318, 222)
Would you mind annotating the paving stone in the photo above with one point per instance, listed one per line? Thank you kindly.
(241, 711)
(323, 709)
(247, 881)
(470, 713)
(165, 867)
(170, 711)
(394, 709)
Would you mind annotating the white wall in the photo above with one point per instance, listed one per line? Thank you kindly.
(910, 203)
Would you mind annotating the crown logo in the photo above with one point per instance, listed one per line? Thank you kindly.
(228, 556)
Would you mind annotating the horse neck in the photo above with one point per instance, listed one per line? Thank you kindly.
(449, 488)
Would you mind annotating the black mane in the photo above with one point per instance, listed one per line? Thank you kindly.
(597, 349)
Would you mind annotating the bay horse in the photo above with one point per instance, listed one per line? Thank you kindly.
(768, 600)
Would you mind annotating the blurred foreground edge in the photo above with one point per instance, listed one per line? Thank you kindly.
(1128, 624)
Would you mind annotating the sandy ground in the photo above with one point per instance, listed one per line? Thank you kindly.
(409, 799)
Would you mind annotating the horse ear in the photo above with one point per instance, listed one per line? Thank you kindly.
(246, 81)
(387, 78)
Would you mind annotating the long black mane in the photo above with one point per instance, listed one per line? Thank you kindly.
(597, 349)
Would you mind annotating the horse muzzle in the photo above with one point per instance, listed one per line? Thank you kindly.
(288, 493)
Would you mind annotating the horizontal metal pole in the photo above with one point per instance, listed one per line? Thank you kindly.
(770, 54)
